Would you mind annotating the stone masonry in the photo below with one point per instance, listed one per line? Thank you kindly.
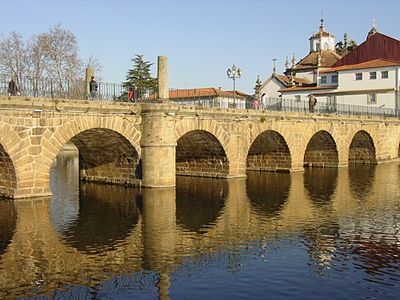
(148, 144)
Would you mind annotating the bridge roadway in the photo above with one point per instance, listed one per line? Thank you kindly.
(148, 144)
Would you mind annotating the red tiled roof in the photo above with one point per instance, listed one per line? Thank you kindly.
(376, 46)
(376, 63)
(202, 92)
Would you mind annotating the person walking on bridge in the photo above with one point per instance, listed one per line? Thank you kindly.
(93, 86)
(12, 88)
(312, 101)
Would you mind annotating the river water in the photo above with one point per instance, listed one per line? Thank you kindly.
(326, 233)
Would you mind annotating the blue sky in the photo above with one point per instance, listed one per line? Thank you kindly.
(200, 38)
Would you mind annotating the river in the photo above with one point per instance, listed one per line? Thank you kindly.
(324, 233)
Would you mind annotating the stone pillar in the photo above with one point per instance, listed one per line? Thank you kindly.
(158, 145)
(88, 76)
(162, 75)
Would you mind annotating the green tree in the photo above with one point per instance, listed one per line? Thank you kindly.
(140, 77)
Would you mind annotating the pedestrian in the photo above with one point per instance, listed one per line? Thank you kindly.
(93, 86)
(256, 104)
(131, 95)
(312, 101)
(12, 88)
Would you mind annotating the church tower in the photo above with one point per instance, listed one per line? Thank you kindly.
(322, 40)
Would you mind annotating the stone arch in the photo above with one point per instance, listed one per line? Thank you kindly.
(108, 149)
(398, 149)
(199, 153)
(269, 152)
(362, 149)
(321, 151)
(8, 179)
(13, 161)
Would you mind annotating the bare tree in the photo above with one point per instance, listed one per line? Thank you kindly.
(14, 56)
(60, 47)
(37, 64)
(94, 63)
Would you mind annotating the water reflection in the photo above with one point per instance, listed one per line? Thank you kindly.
(207, 237)
(199, 201)
(106, 215)
(320, 184)
(268, 191)
(65, 189)
(92, 218)
(361, 180)
(8, 220)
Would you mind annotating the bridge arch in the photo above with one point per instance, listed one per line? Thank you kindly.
(14, 165)
(108, 149)
(269, 152)
(199, 153)
(321, 151)
(210, 144)
(362, 149)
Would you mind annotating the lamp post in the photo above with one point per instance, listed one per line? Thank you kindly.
(234, 73)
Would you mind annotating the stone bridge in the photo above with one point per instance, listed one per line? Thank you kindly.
(148, 144)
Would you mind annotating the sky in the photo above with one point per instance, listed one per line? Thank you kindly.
(202, 38)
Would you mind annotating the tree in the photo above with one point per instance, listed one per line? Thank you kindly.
(345, 46)
(60, 46)
(93, 62)
(140, 76)
(14, 56)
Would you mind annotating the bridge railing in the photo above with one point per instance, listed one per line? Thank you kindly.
(292, 105)
(66, 89)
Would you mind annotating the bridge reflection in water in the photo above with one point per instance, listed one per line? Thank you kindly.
(95, 241)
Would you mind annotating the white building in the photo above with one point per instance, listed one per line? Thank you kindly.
(369, 75)
(209, 97)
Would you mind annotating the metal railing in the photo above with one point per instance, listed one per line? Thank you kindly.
(48, 88)
(67, 89)
(292, 105)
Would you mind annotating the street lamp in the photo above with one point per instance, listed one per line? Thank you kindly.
(234, 73)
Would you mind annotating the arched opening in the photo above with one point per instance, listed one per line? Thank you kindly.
(362, 149)
(269, 152)
(321, 151)
(199, 202)
(8, 179)
(199, 153)
(398, 151)
(106, 156)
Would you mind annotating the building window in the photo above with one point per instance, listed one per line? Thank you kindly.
(358, 76)
(297, 98)
(384, 74)
(371, 99)
(323, 79)
(334, 79)
(372, 75)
